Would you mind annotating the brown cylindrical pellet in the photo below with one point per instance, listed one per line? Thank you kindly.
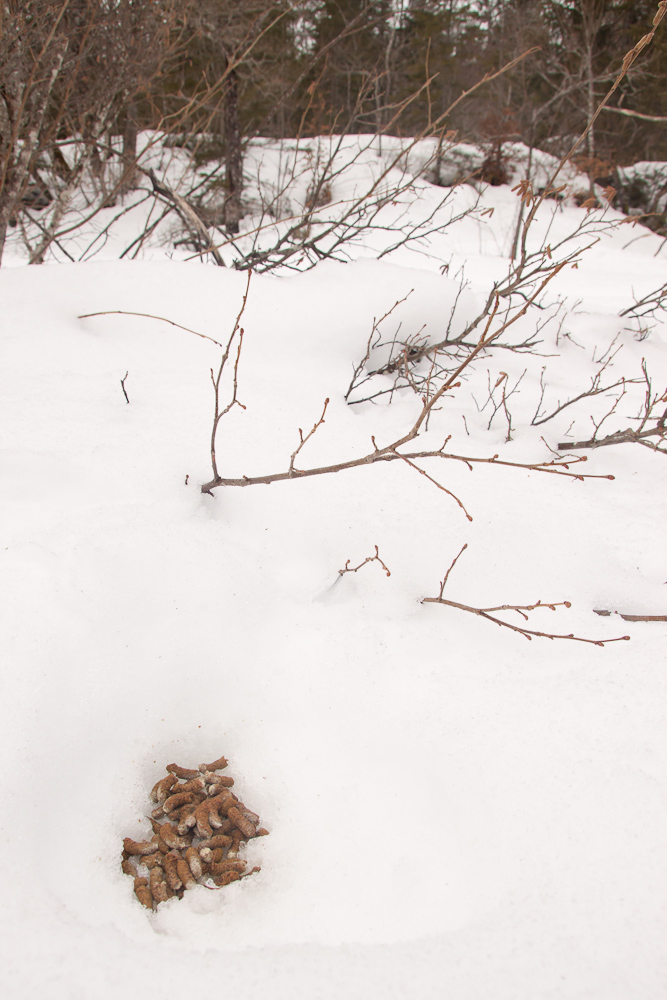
(237, 839)
(196, 785)
(194, 861)
(161, 789)
(179, 799)
(218, 840)
(170, 870)
(140, 846)
(158, 886)
(187, 773)
(225, 781)
(241, 822)
(171, 838)
(143, 893)
(230, 865)
(226, 878)
(201, 820)
(153, 860)
(217, 765)
(185, 873)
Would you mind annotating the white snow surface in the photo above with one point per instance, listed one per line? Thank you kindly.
(453, 811)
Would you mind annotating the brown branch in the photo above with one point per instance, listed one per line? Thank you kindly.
(122, 385)
(453, 564)
(656, 299)
(390, 452)
(292, 470)
(528, 633)
(521, 609)
(628, 436)
(593, 391)
(353, 569)
(434, 481)
(217, 413)
(358, 369)
(188, 214)
(636, 114)
(124, 312)
(554, 467)
(630, 618)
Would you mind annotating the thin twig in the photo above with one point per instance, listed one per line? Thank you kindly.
(434, 481)
(292, 470)
(453, 564)
(218, 414)
(353, 569)
(163, 319)
(521, 609)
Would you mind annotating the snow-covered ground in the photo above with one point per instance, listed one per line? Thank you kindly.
(453, 810)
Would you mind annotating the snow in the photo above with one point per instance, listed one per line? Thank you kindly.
(452, 810)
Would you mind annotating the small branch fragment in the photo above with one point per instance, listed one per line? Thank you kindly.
(353, 569)
(630, 618)
(162, 319)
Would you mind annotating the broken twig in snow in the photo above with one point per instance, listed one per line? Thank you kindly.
(353, 569)
(163, 319)
(630, 618)
(521, 609)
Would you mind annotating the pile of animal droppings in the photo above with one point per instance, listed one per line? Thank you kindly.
(199, 827)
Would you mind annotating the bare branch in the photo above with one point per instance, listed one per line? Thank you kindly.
(453, 564)
(434, 481)
(353, 569)
(188, 215)
(163, 319)
(219, 414)
(651, 411)
(630, 618)
(521, 609)
(636, 114)
(292, 470)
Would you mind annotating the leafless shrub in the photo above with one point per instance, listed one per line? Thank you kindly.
(531, 268)
(596, 389)
(54, 98)
(648, 306)
(650, 431)
(390, 452)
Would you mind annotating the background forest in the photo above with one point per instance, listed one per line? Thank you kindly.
(225, 71)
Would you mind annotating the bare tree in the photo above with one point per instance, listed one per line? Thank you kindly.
(70, 70)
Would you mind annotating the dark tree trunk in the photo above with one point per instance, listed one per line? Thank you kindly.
(233, 155)
(129, 149)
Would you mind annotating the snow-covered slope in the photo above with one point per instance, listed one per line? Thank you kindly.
(453, 810)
